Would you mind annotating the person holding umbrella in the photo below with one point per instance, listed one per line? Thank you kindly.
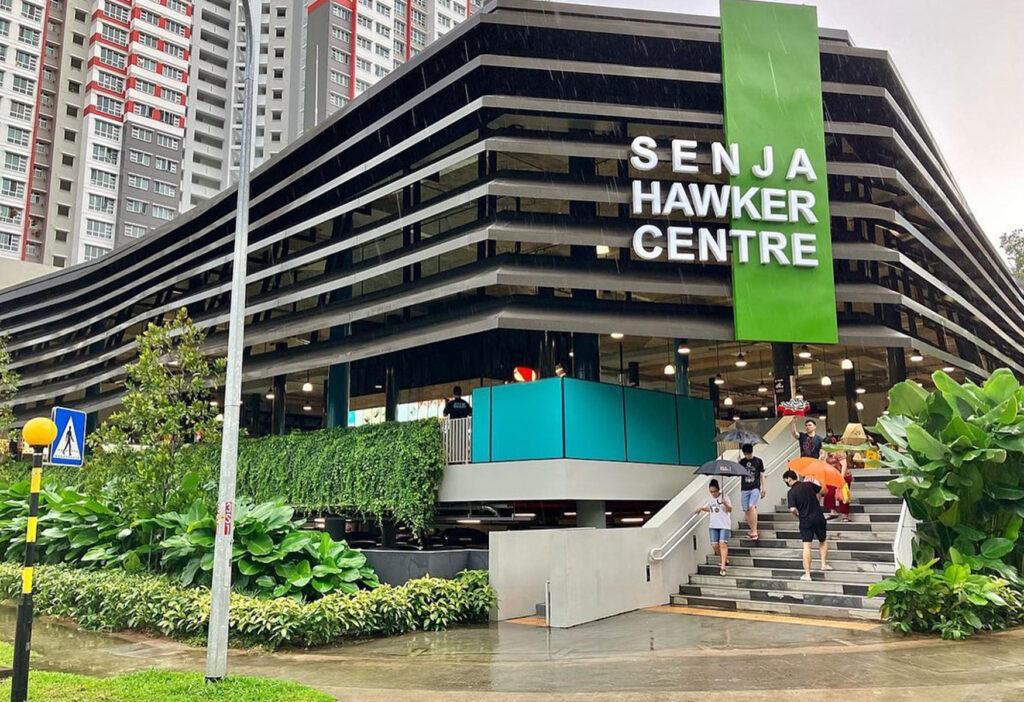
(803, 503)
(720, 523)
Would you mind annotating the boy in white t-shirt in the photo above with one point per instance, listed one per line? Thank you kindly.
(720, 523)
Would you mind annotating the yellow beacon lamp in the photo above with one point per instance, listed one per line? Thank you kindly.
(37, 433)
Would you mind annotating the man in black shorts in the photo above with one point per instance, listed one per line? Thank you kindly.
(803, 503)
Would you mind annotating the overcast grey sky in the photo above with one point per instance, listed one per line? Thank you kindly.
(963, 62)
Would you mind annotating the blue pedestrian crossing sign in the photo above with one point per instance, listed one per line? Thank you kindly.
(69, 446)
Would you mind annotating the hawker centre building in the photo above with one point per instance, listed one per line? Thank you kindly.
(668, 230)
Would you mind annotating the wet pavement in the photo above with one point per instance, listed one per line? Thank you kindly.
(642, 656)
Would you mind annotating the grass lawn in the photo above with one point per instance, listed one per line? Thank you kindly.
(155, 686)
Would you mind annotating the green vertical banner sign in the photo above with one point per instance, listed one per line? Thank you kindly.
(771, 81)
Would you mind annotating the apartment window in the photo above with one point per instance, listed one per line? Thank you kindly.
(419, 37)
(278, 94)
(281, 11)
(140, 157)
(59, 261)
(341, 34)
(173, 96)
(6, 5)
(419, 18)
(165, 164)
(362, 85)
(364, 22)
(72, 111)
(447, 4)
(170, 118)
(150, 17)
(101, 203)
(26, 60)
(168, 142)
(400, 7)
(143, 110)
(27, 35)
(399, 51)
(279, 73)
(12, 188)
(161, 212)
(114, 35)
(5, 28)
(363, 64)
(339, 78)
(364, 43)
(110, 82)
(90, 252)
(444, 21)
(138, 182)
(112, 58)
(278, 53)
(172, 72)
(146, 63)
(20, 110)
(99, 229)
(134, 231)
(37, 197)
(174, 50)
(103, 179)
(44, 123)
(107, 130)
(382, 51)
(341, 13)
(70, 135)
(105, 154)
(149, 40)
(118, 12)
(366, 3)
(142, 134)
(10, 215)
(337, 100)
(23, 85)
(383, 9)
(175, 28)
(380, 71)
(110, 106)
(15, 162)
(384, 30)
(67, 159)
(18, 136)
(135, 206)
(166, 189)
(10, 242)
(177, 6)
(145, 86)
(339, 55)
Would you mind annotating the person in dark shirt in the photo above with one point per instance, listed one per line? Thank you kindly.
(457, 407)
(810, 443)
(752, 488)
(803, 503)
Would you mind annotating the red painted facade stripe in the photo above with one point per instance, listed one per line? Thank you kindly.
(96, 61)
(97, 38)
(352, 53)
(314, 5)
(100, 14)
(35, 134)
(408, 30)
(93, 85)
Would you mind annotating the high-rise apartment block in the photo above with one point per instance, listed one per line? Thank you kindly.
(115, 115)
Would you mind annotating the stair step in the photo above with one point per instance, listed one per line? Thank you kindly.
(837, 576)
(834, 535)
(781, 585)
(788, 596)
(784, 562)
(855, 518)
(842, 543)
(777, 607)
(882, 506)
(797, 552)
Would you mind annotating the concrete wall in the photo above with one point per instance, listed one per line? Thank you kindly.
(597, 573)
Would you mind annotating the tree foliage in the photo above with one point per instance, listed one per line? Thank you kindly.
(960, 454)
(1012, 244)
(138, 450)
(8, 388)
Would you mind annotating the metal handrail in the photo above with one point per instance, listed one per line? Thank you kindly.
(660, 553)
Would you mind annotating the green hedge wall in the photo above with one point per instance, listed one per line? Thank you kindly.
(113, 601)
(390, 470)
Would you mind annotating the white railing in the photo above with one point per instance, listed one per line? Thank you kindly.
(458, 440)
(903, 543)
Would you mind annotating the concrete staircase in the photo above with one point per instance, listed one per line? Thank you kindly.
(764, 575)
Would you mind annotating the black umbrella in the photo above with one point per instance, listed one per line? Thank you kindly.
(723, 467)
(740, 436)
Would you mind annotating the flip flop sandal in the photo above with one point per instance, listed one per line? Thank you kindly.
(755, 537)
(723, 572)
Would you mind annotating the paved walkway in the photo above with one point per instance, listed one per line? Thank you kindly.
(659, 654)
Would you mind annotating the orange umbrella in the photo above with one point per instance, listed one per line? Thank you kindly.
(818, 470)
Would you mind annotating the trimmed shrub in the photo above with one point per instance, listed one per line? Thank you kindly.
(112, 601)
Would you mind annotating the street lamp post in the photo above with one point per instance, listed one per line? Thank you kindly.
(38, 433)
(220, 592)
